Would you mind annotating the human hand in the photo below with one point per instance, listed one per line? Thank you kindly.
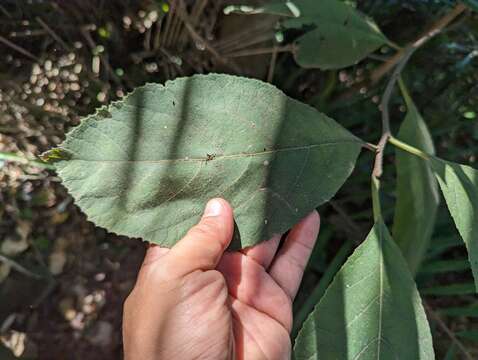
(195, 301)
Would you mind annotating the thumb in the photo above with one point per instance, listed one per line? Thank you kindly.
(204, 244)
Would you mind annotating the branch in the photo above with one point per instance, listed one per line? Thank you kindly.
(19, 49)
(183, 15)
(261, 51)
(52, 33)
(434, 29)
(386, 133)
(18, 267)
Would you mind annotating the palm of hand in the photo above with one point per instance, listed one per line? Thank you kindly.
(261, 286)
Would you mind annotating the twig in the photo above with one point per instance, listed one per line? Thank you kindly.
(196, 12)
(371, 147)
(264, 37)
(19, 49)
(169, 21)
(260, 51)
(19, 267)
(447, 331)
(3, 10)
(184, 17)
(236, 39)
(434, 29)
(52, 33)
(270, 75)
(176, 24)
(24, 161)
(378, 166)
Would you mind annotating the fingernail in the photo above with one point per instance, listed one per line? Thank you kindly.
(213, 208)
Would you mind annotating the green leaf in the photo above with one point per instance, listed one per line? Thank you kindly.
(146, 166)
(341, 35)
(459, 185)
(336, 34)
(417, 189)
(372, 309)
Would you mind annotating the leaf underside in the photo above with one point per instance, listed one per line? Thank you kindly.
(145, 167)
(459, 185)
(341, 35)
(372, 309)
(417, 190)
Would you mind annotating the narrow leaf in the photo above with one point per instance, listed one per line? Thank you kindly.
(459, 185)
(372, 309)
(146, 166)
(417, 189)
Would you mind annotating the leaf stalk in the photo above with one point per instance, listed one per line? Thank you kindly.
(5, 156)
(408, 148)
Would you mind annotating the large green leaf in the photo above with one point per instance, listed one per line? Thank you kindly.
(145, 166)
(372, 309)
(417, 190)
(337, 35)
(459, 185)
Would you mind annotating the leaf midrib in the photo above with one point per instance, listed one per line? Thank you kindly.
(221, 157)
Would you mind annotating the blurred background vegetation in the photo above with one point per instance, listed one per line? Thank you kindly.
(63, 281)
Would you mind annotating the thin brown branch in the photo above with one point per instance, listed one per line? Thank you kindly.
(235, 39)
(272, 66)
(447, 331)
(19, 49)
(434, 29)
(196, 12)
(197, 37)
(384, 105)
(14, 265)
(262, 38)
(260, 51)
(378, 164)
(53, 34)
